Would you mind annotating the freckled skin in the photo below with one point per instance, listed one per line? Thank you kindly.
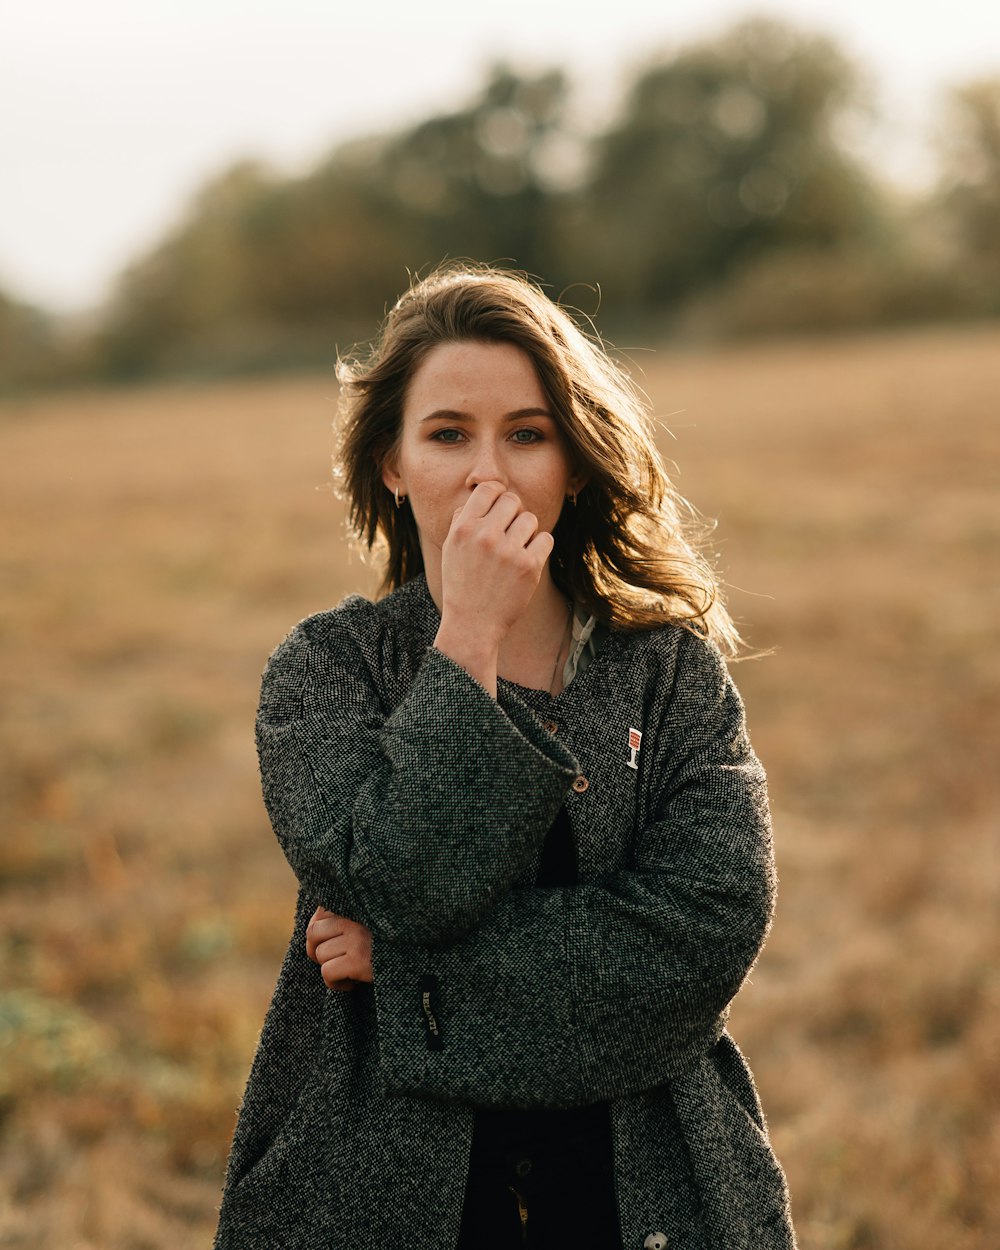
(440, 462)
(485, 469)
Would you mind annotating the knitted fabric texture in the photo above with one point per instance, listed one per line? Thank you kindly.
(408, 799)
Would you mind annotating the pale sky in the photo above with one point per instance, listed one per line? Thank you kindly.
(112, 112)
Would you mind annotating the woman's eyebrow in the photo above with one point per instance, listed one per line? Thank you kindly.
(452, 414)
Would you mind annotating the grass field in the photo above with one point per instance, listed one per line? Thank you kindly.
(158, 543)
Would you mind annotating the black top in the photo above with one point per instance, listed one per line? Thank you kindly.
(500, 1133)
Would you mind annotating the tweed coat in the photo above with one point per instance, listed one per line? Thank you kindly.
(408, 799)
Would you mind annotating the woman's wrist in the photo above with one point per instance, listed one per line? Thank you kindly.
(476, 655)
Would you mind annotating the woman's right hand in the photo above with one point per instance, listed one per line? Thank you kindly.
(491, 563)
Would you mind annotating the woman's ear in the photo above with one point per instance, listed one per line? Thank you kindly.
(389, 469)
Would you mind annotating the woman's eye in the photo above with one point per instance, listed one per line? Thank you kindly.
(526, 436)
(446, 436)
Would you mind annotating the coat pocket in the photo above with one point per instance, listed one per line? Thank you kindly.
(741, 1185)
(295, 1151)
(287, 1196)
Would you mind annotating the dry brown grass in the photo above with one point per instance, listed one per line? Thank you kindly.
(158, 543)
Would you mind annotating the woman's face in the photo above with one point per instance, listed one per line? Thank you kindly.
(476, 412)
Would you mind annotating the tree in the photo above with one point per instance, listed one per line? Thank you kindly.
(190, 286)
(970, 192)
(332, 247)
(478, 182)
(729, 149)
(28, 348)
(269, 270)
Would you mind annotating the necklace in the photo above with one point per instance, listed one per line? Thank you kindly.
(567, 633)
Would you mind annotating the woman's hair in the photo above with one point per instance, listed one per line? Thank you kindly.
(625, 551)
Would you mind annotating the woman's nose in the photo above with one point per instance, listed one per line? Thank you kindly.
(486, 467)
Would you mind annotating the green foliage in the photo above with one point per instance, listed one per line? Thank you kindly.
(265, 271)
(970, 195)
(724, 198)
(26, 342)
(478, 182)
(324, 248)
(46, 1041)
(815, 290)
(193, 288)
(729, 150)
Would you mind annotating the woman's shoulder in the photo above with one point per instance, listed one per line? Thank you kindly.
(674, 656)
(353, 614)
(674, 639)
(323, 632)
(356, 616)
(360, 631)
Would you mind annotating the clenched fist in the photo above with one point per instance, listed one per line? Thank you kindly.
(341, 947)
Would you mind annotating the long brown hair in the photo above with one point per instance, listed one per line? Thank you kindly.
(625, 552)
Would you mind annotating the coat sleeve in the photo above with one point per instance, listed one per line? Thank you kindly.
(363, 799)
(576, 994)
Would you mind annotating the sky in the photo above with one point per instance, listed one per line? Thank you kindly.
(114, 112)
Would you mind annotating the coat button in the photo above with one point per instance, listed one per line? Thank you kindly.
(522, 1167)
(551, 726)
(580, 784)
(655, 1241)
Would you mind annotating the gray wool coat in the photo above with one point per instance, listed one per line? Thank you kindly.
(408, 799)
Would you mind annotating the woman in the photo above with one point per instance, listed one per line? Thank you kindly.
(530, 833)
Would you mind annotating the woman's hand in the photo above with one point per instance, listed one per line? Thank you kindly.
(491, 564)
(341, 947)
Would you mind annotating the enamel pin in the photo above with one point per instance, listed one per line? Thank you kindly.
(634, 741)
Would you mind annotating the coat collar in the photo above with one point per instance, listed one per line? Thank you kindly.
(415, 612)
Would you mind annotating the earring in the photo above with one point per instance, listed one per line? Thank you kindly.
(398, 497)
(572, 497)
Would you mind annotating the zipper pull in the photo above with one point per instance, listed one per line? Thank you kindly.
(522, 1211)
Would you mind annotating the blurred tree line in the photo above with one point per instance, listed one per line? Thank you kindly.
(723, 199)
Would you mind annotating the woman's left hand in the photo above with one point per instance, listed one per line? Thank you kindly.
(341, 947)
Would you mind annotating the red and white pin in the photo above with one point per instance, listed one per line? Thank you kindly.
(634, 742)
